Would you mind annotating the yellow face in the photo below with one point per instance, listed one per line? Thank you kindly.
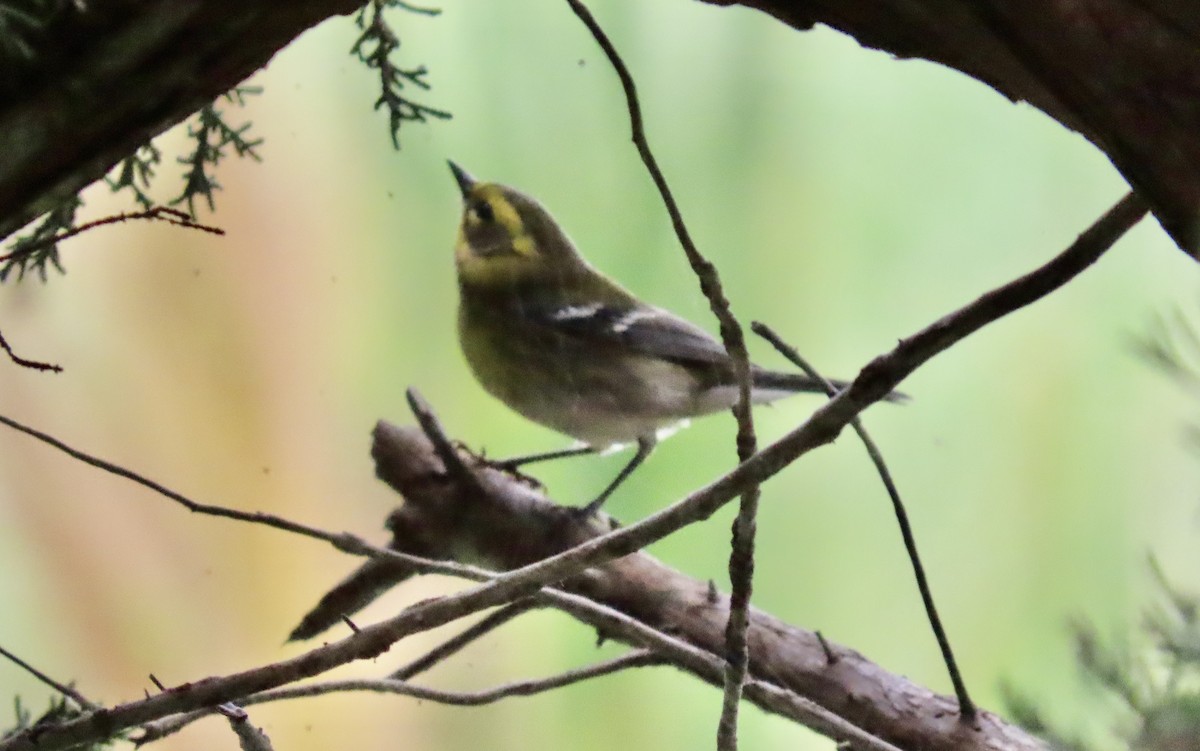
(494, 240)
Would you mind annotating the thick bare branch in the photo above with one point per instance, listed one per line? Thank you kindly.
(510, 528)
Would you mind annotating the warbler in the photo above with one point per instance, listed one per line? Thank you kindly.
(565, 346)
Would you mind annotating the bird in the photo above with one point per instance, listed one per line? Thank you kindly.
(565, 346)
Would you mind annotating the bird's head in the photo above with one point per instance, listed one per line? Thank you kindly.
(507, 238)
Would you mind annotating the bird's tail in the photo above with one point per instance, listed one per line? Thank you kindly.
(770, 385)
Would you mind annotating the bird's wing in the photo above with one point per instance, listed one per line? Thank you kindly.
(645, 329)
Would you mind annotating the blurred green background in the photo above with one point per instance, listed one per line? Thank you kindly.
(847, 198)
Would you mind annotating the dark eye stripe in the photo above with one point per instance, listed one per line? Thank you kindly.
(483, 210)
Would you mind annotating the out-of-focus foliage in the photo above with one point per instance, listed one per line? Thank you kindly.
(213, 138)
(1149, 682)
(37, 250)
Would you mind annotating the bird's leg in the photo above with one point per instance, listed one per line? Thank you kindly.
(645, 445)
(511, 465)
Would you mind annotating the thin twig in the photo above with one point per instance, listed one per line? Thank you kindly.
(966, 706)
(830, 656)
(741, 558)
(343, 541)
(62, 688)
(155, 213)
(432, 428)
(452, 645)
(741, 576)
(634, 659)
(33, 364)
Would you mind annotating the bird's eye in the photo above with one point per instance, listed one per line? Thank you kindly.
(483, 211)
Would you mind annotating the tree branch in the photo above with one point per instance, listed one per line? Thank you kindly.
(25, 362)
(508, 528)
(634, 659)
(135, 69)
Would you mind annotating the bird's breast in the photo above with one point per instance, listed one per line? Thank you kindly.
(597, 393)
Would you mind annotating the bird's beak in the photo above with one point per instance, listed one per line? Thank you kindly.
(465, 181)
